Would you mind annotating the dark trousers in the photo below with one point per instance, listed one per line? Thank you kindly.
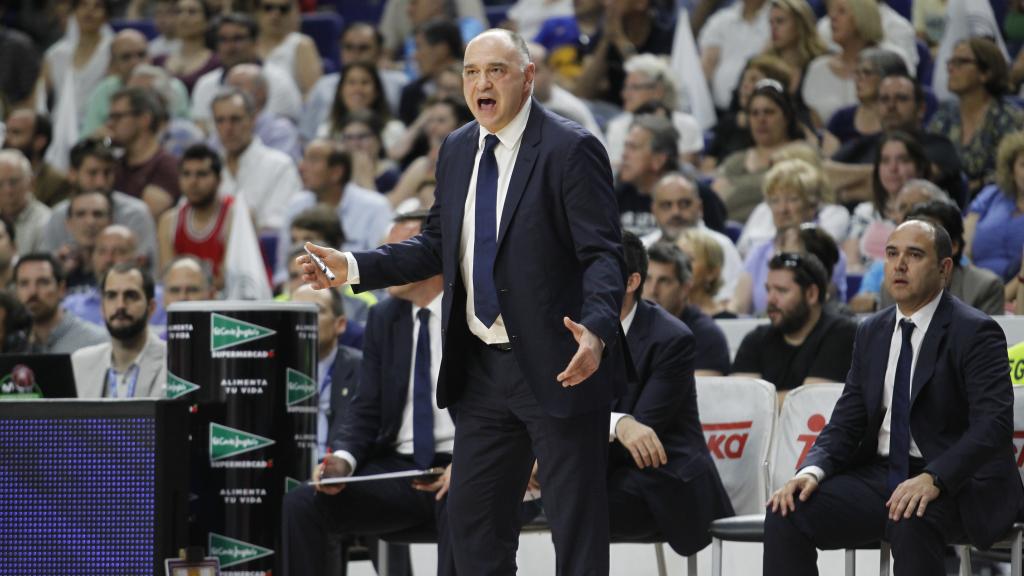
(364, 508)
(500, 429)
(848, 511)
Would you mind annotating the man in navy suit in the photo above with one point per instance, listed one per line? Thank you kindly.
(526, 232)
(377, 433)
(919, 448)
(660, 469)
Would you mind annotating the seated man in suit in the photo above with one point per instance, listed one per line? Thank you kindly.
(919, 449)
(659, 467)
(338, 368)
(392, 423)
(134, 363)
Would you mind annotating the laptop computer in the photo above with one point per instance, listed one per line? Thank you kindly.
(31, 376)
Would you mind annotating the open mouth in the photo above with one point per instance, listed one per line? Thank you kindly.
(486, 104)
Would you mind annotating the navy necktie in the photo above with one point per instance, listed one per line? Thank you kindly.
(899, 424)
(422, 397)
(485, 297)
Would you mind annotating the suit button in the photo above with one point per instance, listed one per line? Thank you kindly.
(502, 290)
(451, 285)
(515, 337)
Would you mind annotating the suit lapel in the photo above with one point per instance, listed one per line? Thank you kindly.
(879, 354)
(148, 370)
(402, 327)
(929, 354)
(525, 161)
(636, 338)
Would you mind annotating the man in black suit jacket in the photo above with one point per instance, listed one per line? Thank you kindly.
(919, 448)
(525, 230)
(374, 435)
(661, 478)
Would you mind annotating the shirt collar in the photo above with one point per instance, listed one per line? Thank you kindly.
(434, 306)
(923, 317)
(324, 365)
(509, 135)
(628, 320)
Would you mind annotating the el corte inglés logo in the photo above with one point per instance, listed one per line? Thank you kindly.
(226, 442)
(178, 387)
(227, 332)
(232, 552)
(300, 386)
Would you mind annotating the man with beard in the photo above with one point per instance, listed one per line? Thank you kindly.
(133, 364)
(40, 285)
(199, 227)
(805, 343)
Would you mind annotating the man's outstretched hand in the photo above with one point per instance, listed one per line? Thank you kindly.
(311, 273)
(586, 360)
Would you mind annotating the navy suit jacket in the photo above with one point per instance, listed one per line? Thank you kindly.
(371, 424)
(961, 413)
(344, 383)
(559, 254)
(664, 397)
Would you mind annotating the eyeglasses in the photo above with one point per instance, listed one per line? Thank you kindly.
(788, 260)
(281, 9)
(958, 61)
(127, 56)
(353, 47)
(895, 98)
(117, 116)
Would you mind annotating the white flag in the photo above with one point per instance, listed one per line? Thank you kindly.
(245, 275)
(694, 94)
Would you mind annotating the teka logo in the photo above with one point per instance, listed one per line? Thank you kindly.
(726, 441)
(226, 442)
(816, 423)
(232, 552)
(1019, 435)
(178, 387)
(300, 386)
(227, 332)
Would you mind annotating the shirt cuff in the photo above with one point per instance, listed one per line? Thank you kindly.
(353, 270)
(815, 471)
(613, 422)
(347, 457)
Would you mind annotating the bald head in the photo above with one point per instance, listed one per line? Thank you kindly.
(187, 279)
(127, 51)
(249, 78)
(116, 244)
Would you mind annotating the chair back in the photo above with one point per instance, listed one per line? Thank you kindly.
(1018, 428)
(738, 417)
(805, 411)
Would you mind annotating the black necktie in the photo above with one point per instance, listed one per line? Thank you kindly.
(485, 297)
(899, 424)
(422, 397)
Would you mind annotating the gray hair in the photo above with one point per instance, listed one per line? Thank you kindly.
(657, 69)
(929, 188)
(665, 253)
(518, 42)
(161, 84)
(18, 160)
(229, 92)
(884, 61)
(664, 138)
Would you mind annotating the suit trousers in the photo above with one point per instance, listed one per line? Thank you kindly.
(848, 511)
(499, 431)
(361, 509)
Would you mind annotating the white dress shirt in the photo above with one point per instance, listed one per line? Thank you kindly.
(268, 180)
(616, 416)
(921, 319)
(505, 154)
(444, 427)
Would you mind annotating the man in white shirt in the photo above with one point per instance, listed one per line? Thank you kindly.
(558, 99)
(266, 177)
(919, 450)
(732, 36)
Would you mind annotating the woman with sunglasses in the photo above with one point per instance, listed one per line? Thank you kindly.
(193, 58)
(980, 116)
(773, 124)
(793, 189)
(280, 43)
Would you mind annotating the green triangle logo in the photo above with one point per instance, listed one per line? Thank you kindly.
(178, 387)
(226, 442)
(290, 484)
(300, 386)
(232, 552)
(227, 332)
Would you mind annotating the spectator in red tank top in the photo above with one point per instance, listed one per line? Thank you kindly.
(201, 226)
